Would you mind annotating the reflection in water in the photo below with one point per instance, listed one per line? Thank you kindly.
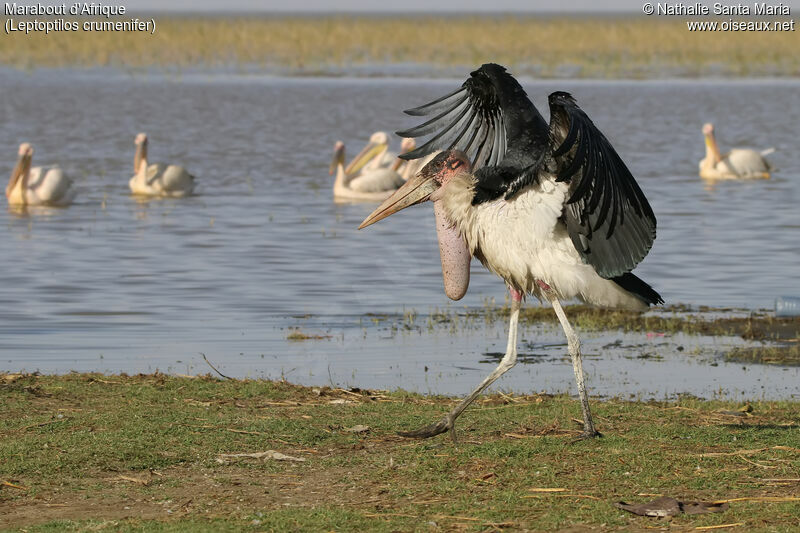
(116, 283)
(24, 211)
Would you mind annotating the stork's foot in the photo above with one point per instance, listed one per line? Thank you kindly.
(586, 435)
(431, 430)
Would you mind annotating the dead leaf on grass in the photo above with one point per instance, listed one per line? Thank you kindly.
(224, 458)
(192, 401)
(358, 429)
(749, 452)
(138, 481)
(12, 485)
(774, 499)
(666, 506)
(489, 478)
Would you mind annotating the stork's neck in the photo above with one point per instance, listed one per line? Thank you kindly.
(456, 198)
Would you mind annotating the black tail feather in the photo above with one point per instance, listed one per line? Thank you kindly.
(638, 288)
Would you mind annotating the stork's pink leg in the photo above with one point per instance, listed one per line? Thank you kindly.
(508, 361)
(574, 347)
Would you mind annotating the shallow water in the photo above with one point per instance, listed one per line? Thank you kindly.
(116, 284)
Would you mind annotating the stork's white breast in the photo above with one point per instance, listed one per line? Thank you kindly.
(523, 240)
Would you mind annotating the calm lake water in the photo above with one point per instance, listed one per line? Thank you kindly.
(115, 284)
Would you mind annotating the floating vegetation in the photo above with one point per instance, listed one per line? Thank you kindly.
(780, 354)
(545, 47)
(759, 326)
(297, 335)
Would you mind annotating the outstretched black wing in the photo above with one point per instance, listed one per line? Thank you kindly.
(608, 217)
(490, 118)
(467, 120)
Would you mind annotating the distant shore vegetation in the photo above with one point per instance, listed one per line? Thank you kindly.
(548, 47)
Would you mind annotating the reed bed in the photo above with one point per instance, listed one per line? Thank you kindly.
(597, 47)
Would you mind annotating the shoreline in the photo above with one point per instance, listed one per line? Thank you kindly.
(155, 452)
(549, 47)
(724, 349)
(363, 74)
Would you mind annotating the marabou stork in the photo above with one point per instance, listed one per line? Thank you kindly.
(739, 163)
(553, 210)
(48, 186)
(157, 179)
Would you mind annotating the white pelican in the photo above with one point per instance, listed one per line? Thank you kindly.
(374, 155)
(553, 210)
(37, 185)
(358, 181)
(158, 179)
(408, 169)
(739, 163)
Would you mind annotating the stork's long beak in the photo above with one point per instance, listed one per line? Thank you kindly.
(416, 190)
(370, 151)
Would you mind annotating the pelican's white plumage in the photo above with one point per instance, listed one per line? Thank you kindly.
(366, 178)
(375, 154)
(158, 179)
(48, 186)
(739, 163)
(409, 169)
(368, 186)
(380, 180)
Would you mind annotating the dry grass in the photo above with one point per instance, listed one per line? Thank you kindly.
(546, 47)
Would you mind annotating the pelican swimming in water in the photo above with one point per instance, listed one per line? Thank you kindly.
(739, 163)
(38, 185)
(552, 210)
(158, 179)
(409, 168)
(364, 179)
(374, 155)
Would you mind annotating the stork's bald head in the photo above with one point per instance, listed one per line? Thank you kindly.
(446, 165)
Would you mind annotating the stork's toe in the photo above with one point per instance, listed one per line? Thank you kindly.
(431, 430)
(593, 434)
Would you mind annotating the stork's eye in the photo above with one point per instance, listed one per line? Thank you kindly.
(455, 164)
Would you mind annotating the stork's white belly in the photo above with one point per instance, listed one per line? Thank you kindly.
(522, 240)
